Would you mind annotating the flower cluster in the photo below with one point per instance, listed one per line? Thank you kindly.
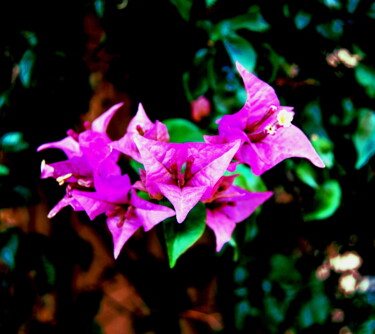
(177, 176)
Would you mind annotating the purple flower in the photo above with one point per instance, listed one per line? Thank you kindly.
(140, 124)
(89, 155)
(184, 173)
(126, 212)
(230, 205)
(265, 129)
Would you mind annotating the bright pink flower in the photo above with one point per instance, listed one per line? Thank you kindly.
(265, 129)
(125, 210)
(140, 124)
(184, 173)
(230, 205)
(89, 155)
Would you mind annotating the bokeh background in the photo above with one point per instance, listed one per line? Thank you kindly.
(304, 262)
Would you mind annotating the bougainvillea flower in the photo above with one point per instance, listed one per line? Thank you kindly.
(265, 129)
(184, 173)
(230, 205)
(125, 210)
(88, 153)
(140, 124)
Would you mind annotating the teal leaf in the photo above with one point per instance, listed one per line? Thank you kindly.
(336, 4)
(239, 49)
(352, 5)
(99, 7)
(183, 7)
(210, 3)
(306, 173)
(327, 200)
(13, 142)
(365, 76)
(332, 30)
(364, 137)
(182, 131)
(180, 237)
(26, 68)
(302, 19)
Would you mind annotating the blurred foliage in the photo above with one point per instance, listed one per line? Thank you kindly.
(317, 55)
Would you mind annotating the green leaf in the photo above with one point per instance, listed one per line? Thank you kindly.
(99, 7)
(4, 170)
(183, 7)
(196, 81)
(239, 49)
(247, 179)
(302, 19)
(365, 76)
(13, 142)
(252, 21)
(332, 30)
(327, 199)
(306, 173)
(26, 68)
(182, 131)
(315, 311)
(180, 237)
(210, 3)
(364, 137)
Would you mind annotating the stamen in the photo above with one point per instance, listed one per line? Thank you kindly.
(61, 179)
(85, 183)
(270, 129)
(140, 130)
(87, 125)
(73, 134)
(189, 164)
(285, 117)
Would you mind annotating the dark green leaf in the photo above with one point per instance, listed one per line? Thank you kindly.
(302, 19)
(13, 142)
(332, 30)
(26, 68)
(365, 76)
(252, 21)
(306, 173)
(247, 179)
(364, 137)
(180, 237)
(327, 199)
(183, 131)
(183, 7)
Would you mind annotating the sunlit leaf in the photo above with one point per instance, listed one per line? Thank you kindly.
(333, 3)
(327, 200)
(180, 237)
(182, 131)
(364, 137)
(239, 49)
(26, 68)
(183, 7)
(210, 3)
(13, 142)
(365, 76)
(302, 19)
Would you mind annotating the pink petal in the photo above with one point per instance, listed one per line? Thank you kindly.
(183, 200)
(285, 143)
(68, 145)
(222, 226)
(121, 232)
(101, 123)
(65, 201)
(148, 213)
